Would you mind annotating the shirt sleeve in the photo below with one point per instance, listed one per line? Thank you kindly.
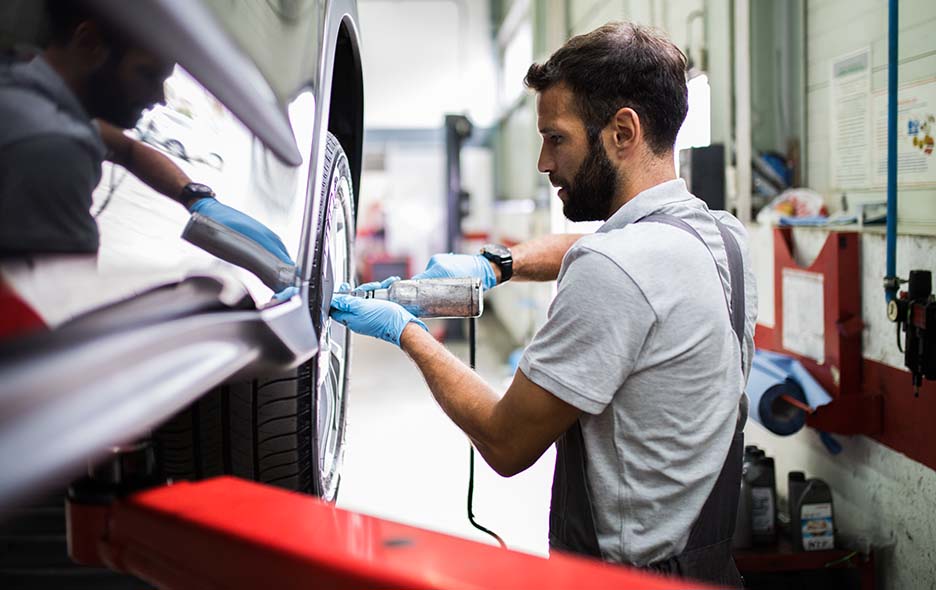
(597, 325)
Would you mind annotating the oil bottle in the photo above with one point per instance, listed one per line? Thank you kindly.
(813, 518)
(763, 501)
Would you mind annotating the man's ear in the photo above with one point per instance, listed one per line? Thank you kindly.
(625, 130)
(91, 42)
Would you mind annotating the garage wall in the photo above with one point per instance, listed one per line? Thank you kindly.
(585, 15)
(776, 74)
(425, 58)
(881, 495)
(838, 27)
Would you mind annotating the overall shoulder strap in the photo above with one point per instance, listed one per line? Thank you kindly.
(707, 555)
(735, 267)
(735, 278)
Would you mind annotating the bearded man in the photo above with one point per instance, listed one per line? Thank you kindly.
(638, 374)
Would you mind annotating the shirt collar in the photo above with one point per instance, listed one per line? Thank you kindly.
(646, 202)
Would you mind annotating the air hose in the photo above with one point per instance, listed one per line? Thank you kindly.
(472, 349)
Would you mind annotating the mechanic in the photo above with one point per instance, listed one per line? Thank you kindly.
(61, 115)
(638, 373)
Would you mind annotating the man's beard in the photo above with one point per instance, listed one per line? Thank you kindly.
(589, 196)
(105, 100)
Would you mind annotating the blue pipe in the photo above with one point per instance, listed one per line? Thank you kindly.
(891, 284)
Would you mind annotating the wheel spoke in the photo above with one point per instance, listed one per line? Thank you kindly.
(336, 350)
(338, 331)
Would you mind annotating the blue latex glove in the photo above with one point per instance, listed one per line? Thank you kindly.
(372, 286)
(372, 317)
(242, 223)
(456, 266)
(286, 294)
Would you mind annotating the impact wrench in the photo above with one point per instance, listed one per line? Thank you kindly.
(424, 298)
(433, 298)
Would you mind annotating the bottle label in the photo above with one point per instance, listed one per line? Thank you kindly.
(816, 526)
(762, 510)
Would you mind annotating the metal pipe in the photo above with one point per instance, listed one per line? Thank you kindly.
(742, 71)
(890, 280)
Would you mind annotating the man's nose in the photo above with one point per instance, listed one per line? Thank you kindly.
(544, 164)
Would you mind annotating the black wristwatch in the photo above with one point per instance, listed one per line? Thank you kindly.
(194, 191)
(501, 256)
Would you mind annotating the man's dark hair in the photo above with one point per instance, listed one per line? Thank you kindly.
(621, 65)
(64, 16)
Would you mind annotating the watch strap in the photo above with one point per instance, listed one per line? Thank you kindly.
(504, 262)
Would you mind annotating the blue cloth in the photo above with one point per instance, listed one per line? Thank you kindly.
(372, 317)
(243, 224)
(819, 220)
(456, 266)
(774, 375)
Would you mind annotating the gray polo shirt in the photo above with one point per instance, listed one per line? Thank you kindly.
(639, 338)
(50, 163)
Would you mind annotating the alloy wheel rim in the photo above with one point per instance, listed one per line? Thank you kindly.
(333, 344)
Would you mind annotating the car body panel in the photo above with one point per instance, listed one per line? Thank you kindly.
(187, 33)
(69, 395)
(339, 14)
(135, 376)
(281, 37)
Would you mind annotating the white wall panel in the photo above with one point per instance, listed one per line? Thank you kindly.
(423, 59)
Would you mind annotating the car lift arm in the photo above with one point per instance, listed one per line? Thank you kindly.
(231, 533)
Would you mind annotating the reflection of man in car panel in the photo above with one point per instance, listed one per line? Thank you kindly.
(61, 115)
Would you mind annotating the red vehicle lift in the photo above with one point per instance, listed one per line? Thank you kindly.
(230, 533)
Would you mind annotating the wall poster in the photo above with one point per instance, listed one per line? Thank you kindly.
(916, 131)
(850, 121)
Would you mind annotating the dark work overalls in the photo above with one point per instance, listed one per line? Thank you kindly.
(707, 555)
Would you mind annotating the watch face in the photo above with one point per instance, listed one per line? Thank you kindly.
(199, 190)
(497, 250)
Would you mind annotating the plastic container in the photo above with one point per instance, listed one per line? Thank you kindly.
(796, 483)
(763, 501)
(813, 518)
(742, 538)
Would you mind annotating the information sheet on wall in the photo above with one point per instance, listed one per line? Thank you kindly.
(916, 130)
(804, 313)
(850, 121)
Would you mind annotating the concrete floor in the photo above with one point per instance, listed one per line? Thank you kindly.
(406, 461)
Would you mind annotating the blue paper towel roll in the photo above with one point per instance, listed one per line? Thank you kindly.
(772, 376)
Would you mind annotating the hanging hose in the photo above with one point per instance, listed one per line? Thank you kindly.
(472, 345)
(471, 518)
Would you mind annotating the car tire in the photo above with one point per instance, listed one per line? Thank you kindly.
(286, 430)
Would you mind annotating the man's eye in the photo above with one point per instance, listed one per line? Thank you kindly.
(556, 139)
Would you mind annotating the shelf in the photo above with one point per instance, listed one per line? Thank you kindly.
(782, 558)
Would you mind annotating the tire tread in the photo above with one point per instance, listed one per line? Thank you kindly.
(263, 429)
